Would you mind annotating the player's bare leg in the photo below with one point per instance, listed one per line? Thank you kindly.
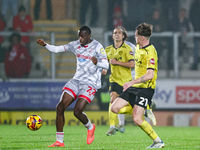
(78, 110)
(65, 101)
(118, 104)
(79, 114)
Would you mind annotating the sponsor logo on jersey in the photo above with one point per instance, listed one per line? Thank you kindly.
(152, 61)
(137, 61)
(120, 58)
(102, 51)
(83, 58)
(131, 52)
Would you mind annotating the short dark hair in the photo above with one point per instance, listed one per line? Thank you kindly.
(85, 28)
(123, 31)
(21, 8)
(144, 29)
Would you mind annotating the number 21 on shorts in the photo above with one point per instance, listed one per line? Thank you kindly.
(143, 101)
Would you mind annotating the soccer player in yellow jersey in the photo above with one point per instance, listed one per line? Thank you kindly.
(139, 92)
(121, 59)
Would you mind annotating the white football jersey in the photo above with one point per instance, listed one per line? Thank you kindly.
(86, 71)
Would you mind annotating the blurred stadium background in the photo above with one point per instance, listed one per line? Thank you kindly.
(177, 96)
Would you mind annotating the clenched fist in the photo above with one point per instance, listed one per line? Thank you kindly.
(41, 42)
(94, 60)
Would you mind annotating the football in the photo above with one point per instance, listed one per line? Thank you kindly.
(34, 122)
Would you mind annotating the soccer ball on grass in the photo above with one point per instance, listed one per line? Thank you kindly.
(34, 122)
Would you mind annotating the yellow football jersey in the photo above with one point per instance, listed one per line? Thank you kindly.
(146, 58)
(124, 53)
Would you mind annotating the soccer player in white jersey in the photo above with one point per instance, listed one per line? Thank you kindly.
(91, 59)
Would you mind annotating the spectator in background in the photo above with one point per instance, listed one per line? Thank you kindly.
(117, 17)
(37, 9)
(84, 6)
(111, 6)
(195, 19)
(139, 11)
(23, 23)
(17, 60)
(159, 25)
(5, 6)
(170, 11)
(158, 22)
(184, 26)
(2, 27)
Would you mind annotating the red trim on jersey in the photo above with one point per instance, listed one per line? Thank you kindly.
(64, 48)
(66, 88)
(85, 97)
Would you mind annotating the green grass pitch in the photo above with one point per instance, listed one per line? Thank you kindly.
(20, 137)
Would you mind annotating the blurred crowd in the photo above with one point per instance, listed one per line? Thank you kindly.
(165, 15)
(16, 55)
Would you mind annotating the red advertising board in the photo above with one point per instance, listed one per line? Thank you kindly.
(188, 94)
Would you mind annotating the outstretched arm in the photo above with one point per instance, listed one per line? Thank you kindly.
(51, 48)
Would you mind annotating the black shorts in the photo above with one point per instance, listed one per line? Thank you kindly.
(115, 87)
(138, 96)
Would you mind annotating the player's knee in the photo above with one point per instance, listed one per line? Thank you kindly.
(136, 119)
(114, 109)
(77, 113)
(59, 107)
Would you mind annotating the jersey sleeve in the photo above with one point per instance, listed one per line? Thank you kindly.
(151, 59)
(70, 46)
(101, 57)
(107, 51)
(129, 54)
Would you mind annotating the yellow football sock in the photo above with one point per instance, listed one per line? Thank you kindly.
(146, 127)
(112, 116)
(126, 110)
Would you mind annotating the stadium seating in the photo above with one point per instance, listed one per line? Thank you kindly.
(65, 31)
